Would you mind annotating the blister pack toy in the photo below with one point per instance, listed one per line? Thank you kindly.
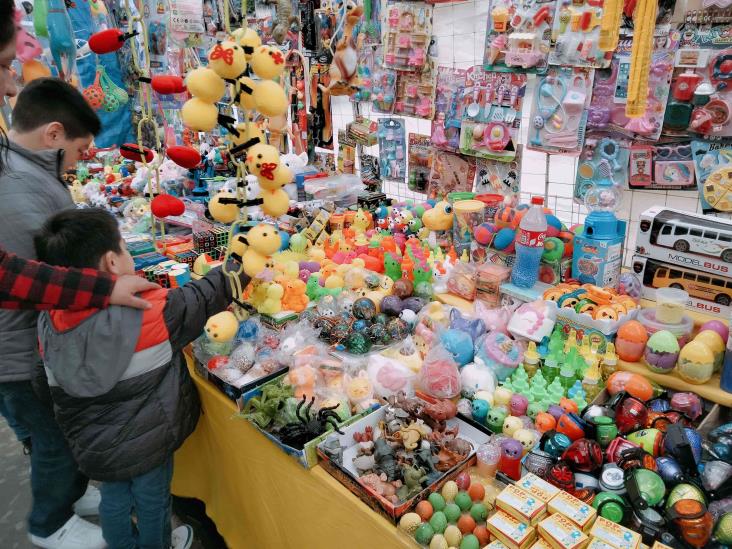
(370, 171)
(446, 124)
(518, 35)
(450, 173)
(420, 162)
(713, 163)
(701, 96)
(610, 92)
(666, 166)
(500, 178)
(370, 25)
(406, 36)
(559, 110)
(346, 153)
(490, 109)
(585, 32)
(393, 148)
(414, 94)
(603, 163)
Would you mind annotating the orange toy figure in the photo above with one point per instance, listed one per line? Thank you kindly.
(303, 380)
(545, 422)
(388, 244)
(372, 263)
(408, 268)
(569, 406)
(295, 298)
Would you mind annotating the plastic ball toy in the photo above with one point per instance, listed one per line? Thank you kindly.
(357, 343)
(364, 308)
(631, 341)
(567, 239)
(504, 240)
(483, 233)
(505, 217)
(717, 326)
(553, 249)
(397, 329)
(695, 363)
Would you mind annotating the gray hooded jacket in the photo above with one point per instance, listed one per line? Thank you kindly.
(31, 190)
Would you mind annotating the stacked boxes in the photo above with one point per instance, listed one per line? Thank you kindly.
(580, 513)
(561, 533)
(509, 531)
(521, 505)
(615, 535)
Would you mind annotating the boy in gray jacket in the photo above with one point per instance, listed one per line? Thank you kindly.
(52, 125)
(121, 390)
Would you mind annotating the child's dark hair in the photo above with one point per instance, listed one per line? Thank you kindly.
(78, 238)
(47, 100)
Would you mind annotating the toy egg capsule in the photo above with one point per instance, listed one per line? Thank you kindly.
(199, 115)
(227, 59)
(270, 98)
(695, 363)
(267, 62)
(205, 84)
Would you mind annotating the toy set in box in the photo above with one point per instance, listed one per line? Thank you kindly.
(710, 294)
(693, 241)
(344, 470)
(308, 456)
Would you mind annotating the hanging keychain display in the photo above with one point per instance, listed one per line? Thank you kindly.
(392, 148)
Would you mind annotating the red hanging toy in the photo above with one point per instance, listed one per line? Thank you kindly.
(109, 40)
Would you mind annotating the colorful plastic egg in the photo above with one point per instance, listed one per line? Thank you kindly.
(662, 352)
(424, 509)
(437, 501)
(449, 491)
(695, 363)
(685, 491)
(466, 524)
(424, 533)
(410, 522)
(463, 481)
(476, 491)
(651, 440)
(452, 512)
(631, 341)
(439, 542)
(470, 542)
(453, 535)
(716, 326)
(636, 385)
(463, 501)
(716, 344)
(438, 521)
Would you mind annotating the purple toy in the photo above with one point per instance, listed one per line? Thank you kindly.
(392, 305)
(688, 403)
(518, 404)
(716, 326)
(473, 327)
(414, 303)
(510, 460)
(556, 411)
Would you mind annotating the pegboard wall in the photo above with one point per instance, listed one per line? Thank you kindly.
(460, 33)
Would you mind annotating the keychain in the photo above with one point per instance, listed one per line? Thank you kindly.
(392, 148)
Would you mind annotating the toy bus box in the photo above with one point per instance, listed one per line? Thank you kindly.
(695, 241)
(338, 451)
(710, 294)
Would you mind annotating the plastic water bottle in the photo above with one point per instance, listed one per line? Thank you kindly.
(530, 245)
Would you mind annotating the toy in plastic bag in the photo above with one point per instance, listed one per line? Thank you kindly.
(477, 377)
(439, 376)
(533, 321)
(494, 319)
(390, 376)
(359, 390)
(405, 352)
(500, 353)
(462, 281)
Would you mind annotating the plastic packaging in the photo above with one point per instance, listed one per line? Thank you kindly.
(488, 455)
(530, 245)
(389, 376)
(439, 376)
(670, 305)
(682, 330)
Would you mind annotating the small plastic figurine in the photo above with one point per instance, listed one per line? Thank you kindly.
(510, 460)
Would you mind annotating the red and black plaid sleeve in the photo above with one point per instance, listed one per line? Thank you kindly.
(26, 284)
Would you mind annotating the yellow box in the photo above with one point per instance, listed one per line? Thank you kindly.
(615, 535)
(576, 510)
(561, 533)
(540, 544)
(599, 544)
(521, 505)
(537, 487)
(496, 544)
(509, 531)
(659, 545)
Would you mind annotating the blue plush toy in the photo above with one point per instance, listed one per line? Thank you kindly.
(473, 327)
(459, 344)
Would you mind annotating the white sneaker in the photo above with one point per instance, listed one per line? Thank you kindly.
(182, 537)
(75, 534)
(88, 504)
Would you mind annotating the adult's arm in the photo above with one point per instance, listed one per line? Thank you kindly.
(28, 284)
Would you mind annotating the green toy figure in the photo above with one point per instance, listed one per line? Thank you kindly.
(495, 418)
(392, 267)
(315, 291)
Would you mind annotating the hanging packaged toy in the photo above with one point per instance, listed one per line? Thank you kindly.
(414, 94)
(346, 153)
(666, 166)
(603, 162)
(713, 162)
(490, 109)
(584, 34)
(393, 148)
(450, 173)
(370, 26)
(559, 110)
(407, 36)
(518, 35)
(446, 124)
(420, 160)
(700, 92)
(377, 84)
(499, 178)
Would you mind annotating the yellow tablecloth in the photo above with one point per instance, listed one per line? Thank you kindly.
(261, 498)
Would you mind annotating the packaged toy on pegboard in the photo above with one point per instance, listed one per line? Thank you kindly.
(446, 124)
(603, 163)
(713, 164)
(662, 166)
(499, 178)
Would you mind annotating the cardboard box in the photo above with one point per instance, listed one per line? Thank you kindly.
(654, 273)
(599, 544)
(540, 544)
(614, 534)
(509, 531)
(496, 544)
(537, 487)
(521, 505)
(308, 456)
(347, 475)
(659, 545)
(694, 241)
(576, 510)
(561, 533)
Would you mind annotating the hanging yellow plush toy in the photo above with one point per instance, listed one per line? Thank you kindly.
(205, 84)
(248, 39)
(270, 99)
(199, 115)
(268, 62)
(227, 59)
(223, 211)
(255, 247)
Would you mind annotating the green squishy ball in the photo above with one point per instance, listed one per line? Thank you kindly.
(470, 542)
(424, 533)
(479, 512)
(437, 501)
(438, 521)
(464, 501)
(452, 512)
(553, 249)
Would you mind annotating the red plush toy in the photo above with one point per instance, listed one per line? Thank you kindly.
(185, 157)
(130, 151)
(164, 205)
(109, 40)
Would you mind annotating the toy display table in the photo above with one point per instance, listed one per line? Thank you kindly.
(260, 497)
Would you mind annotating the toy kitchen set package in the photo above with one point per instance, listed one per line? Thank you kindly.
(689, 252)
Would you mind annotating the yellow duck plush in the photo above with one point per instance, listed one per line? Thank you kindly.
(273, 302)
